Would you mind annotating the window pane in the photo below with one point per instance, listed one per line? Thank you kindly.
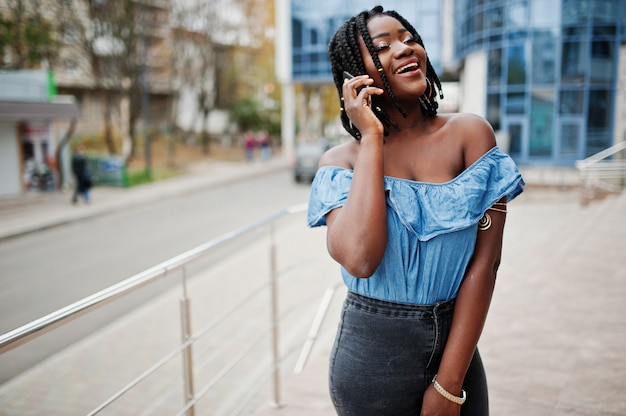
(516, 74)
(493, 18)
(493, 110)
(494, 67)
(544, 62)
(515, 103)
(541, 123)
(598, 121)
(604, 10)
(575, 10)
(545, 13)
(571, 102)
(516, 16)
(599, 111)
(569, 141)
(515, 135)
(573, 62)
(601, 62)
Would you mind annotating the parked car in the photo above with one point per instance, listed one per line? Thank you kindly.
(307, 157)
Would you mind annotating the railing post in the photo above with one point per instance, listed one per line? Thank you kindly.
(275, 401)
(185, 326)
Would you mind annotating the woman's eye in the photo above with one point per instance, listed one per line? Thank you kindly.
(381, 46)
(410, 40)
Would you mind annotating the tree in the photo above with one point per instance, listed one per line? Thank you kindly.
(203, 62)
(225, 57)
(28, 39)
(109, 37)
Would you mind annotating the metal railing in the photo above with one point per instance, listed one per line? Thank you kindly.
(36, 328)
(603, 173)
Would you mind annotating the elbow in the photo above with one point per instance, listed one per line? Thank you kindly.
(359, 260)
(357, 266)
(361, 270)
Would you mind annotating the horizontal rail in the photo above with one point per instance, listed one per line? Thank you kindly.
(591, 160)
(38, 327)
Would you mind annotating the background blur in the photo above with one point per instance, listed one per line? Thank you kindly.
(148, 85)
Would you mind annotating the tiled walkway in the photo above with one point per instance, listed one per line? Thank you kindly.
(553, 345)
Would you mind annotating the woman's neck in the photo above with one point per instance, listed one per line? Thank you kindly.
(414, 119)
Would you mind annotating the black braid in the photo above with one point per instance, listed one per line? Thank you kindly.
(345, 55)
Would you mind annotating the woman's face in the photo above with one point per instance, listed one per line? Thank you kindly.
(401, 57)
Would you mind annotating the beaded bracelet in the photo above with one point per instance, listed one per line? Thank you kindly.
(448, 395)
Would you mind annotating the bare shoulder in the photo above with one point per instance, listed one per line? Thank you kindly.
(476, 135)
(342, 155)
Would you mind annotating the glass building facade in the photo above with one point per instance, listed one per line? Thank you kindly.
(552, 71)
(314, 23)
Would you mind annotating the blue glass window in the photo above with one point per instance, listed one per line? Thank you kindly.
(544, 59)
(493, 110)
(494, 67)
(493, 18)
(604, 10)
(516, 65)
(598, 121)
(601, 70)
(570, 139)
(574, 62)
(545, 14)
(515, 103)
(541, 123)
(575, 10)
(571, 102)
(599, 112)
(517, 15)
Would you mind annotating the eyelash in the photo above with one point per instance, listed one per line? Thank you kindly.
(381, 47)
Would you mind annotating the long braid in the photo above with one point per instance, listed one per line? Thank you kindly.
(345, 55)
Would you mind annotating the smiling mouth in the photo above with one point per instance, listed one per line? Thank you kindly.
(407, 68)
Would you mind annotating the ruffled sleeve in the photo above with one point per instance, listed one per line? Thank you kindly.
(429, 209)
(329, 191)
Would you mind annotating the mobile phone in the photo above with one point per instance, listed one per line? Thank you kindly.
(347, 75)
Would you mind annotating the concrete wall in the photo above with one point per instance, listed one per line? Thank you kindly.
(620, 98)
(10, 183)
(473, 84)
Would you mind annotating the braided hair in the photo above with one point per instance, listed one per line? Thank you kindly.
(345, 55)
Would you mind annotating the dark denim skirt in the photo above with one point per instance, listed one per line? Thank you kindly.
(386, 355)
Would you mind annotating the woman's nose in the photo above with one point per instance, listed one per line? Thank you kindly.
(403, 50)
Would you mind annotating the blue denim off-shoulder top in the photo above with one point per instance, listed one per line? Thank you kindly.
(431, 226)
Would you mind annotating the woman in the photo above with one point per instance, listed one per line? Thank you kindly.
(415, 210)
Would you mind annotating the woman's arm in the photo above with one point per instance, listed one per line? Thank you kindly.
(470, 312)
(357, 232)
(474, 295)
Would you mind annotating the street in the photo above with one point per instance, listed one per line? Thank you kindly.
(45, 271)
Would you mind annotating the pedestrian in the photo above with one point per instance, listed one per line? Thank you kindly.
(82, 177)
(415, 209)
(265, 143)
(249, 144)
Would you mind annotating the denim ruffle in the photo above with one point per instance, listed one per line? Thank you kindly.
(427, 209)
(431, 227)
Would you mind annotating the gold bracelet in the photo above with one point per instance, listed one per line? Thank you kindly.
(497, 209)
(448, 395)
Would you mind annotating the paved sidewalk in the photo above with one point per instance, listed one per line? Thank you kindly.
(555, 339)
(37, 211)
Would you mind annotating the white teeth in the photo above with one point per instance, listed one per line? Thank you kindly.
(405, 67)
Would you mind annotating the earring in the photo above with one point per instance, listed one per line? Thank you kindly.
(428, 92)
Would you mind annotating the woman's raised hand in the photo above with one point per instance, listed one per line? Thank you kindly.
(357, 93)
